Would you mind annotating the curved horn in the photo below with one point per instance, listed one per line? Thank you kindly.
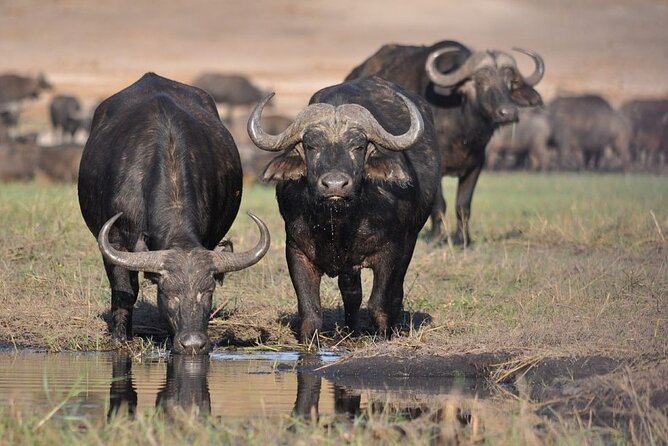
(225, 262)
(446, 80)
(539, 71)
(151, 261)
(291, 135)
(262, 139)
(376, 133)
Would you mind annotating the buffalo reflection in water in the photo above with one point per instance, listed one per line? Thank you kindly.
(186, 390)
(186, 387)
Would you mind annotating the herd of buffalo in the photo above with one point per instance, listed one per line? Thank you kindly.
(358, 172)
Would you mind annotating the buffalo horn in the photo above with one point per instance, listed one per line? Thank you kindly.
(377, 134)
(291, 135)
(151, 261)
(457, 76)
(232, 261)
(539, 71)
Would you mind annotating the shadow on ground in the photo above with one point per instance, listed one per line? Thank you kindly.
(333, 321)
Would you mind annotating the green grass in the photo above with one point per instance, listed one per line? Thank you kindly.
(562, 265)
(577, 261)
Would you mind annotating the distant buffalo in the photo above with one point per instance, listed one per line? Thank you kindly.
(21, 159)
(66, 115)
(229, 89)
(583, 127)
(16, 88)
(60, 163)
(525, 141)
(9, 115)
(18, 160)
(649, 141)
(471, 93)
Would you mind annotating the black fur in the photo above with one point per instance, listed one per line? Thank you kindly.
(464, 117)
(376, 226)
(158, 153)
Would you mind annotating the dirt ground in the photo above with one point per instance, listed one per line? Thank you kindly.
(294, 47)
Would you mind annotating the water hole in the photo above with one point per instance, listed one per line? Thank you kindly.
(94, 386)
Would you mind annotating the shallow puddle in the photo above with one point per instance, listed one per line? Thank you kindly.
(259, 384)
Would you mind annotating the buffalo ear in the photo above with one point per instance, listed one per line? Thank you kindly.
(287, 166)
(380, 167)
(526, 96)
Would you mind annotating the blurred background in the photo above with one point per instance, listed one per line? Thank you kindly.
(90, 50)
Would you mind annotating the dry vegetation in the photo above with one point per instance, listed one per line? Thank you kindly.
(563, 266)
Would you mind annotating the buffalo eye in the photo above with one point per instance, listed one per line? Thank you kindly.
(357, 148)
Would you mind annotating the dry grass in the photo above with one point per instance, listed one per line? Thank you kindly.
(565, 264)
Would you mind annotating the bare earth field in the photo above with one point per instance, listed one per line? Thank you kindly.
(564, 295)
(617, 48)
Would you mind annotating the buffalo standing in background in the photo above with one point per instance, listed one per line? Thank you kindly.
(9, 118)
(582, 128)
(356, 181)
(18, 160)
(17, 88)
(160, 185)
(60, 163)
(471, 94)
(649, 140)
(66, 115)
(527, 140)
(230, 89)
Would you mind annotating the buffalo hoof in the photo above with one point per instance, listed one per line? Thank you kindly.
(309, 332)
(458, 239)
(436, 238)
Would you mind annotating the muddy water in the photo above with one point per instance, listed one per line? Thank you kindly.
(93, 386)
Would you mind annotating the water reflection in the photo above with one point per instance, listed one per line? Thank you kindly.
(346, 402)
(122, 393)
(397, 397)
(222, 385)
(186, 386)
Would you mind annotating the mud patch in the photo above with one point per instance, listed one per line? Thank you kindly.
(627, 394)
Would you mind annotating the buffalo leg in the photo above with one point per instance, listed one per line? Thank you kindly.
(122, 389)
(306, 281)
(124, 289)
(465, 190)
(351, 292)
(436, 234)
(388, 290)
(308, 396)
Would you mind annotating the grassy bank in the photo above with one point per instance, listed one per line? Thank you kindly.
(562, 266)
(565, 263)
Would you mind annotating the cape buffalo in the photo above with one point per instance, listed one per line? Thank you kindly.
(185, 389)
(9, 116)
(583, 126)
(356, 180)
(160, 185)
(526, 140)
(229, 89)
(471, 94)
(649, 140)
(16, 88)
(66, 115)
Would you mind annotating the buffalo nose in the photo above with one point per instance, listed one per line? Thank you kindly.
(335, 184)
(507, 113)
(192, 343)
